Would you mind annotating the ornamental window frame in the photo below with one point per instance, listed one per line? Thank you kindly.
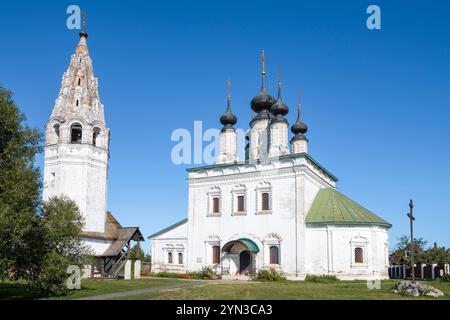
(214, 192)
(263, 187)
(272, 240)
(212, 241)
(361, 243)
(238, 191)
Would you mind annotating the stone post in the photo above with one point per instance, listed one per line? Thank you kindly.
(137, 269)
(447, 268)
(433, 275)
(422, 272)
(127, 273)
(404, 271)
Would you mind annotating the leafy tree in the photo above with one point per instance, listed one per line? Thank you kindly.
(19, 192)
(60, 223)
(402, 252)
(435, 254)
(136, 252)
(37, 241)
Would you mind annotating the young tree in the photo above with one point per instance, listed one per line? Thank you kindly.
(435, 254)
(60, 224)
(402, 252)
(137, 253)
(19, 192)
(37, 242)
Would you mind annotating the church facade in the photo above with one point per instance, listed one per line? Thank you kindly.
(76, 161)
(279, 208)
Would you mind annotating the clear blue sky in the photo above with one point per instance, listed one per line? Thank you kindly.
(377, 102)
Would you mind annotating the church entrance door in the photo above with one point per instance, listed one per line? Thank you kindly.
(244, 262)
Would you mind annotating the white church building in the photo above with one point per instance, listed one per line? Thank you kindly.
(278, 208)
(76, 161)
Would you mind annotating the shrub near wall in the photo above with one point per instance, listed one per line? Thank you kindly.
(321, 279)
(268, 275)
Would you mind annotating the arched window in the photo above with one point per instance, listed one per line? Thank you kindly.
(76, 133)
(169, 257)
(265, 201)
(77, 102)
(359, 258)
(56, 128)
(274, 257)
(216, 254)
(180, 258)
(215, 205)
(95, 136)
(79, 81)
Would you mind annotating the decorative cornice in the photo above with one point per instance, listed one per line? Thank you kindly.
(275, 160)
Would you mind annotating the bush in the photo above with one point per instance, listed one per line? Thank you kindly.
(268, 275)
(172, 275)
(445, 278)
(166, 274)
(205, 274)
(52, 278)
(321, 279)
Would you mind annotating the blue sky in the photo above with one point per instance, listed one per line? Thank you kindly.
(376, 102)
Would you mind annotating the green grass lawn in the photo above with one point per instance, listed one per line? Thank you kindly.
(288, 290)
(227, 290)
(18, 290)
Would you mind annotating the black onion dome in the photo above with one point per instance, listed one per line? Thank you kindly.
(299, 128)
(263, 101)
(228, 119)
(279, 108)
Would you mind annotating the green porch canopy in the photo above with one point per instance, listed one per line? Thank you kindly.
(251, 245)
(331, 206)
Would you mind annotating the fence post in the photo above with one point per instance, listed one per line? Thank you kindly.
(433, 274)
(127, 271)
(137, 269)
(404, 271)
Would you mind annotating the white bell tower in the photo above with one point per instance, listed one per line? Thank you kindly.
(77, 141)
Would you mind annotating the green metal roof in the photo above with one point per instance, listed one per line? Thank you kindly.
(251, 246)
(331, 206)
(167, 229)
